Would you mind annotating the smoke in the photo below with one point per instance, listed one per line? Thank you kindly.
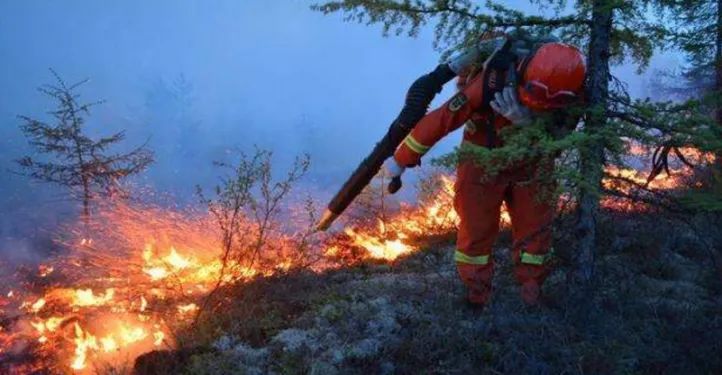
(198, 83)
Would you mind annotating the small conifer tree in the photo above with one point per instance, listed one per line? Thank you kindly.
(76, 161)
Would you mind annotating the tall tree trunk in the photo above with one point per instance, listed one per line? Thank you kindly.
(718, 57)
(86, 201)
(592, 157)
(717, 169)
(718, 71)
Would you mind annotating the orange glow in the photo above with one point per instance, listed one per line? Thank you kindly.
(85, 297)
(83, 343)
(143, 303)
(379, 248)
(184, 309)
(44, 270)
(624, 179)
(115, 296)
(39, 304)
(158, 336)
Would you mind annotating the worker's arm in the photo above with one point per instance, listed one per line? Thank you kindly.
(439, 122)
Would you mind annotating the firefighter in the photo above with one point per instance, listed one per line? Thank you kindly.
(548, 79)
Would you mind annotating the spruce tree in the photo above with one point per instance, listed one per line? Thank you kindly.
(611, 32)
(76, 161)
(697, 32)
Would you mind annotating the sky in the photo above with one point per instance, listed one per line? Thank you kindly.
(200, 79)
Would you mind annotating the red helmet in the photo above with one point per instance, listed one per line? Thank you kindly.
(553, 77)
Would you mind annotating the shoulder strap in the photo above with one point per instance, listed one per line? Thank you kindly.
(493, 80)
(500, 70)
(493, 72)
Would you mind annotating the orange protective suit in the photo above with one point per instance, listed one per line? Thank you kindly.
(478, 203)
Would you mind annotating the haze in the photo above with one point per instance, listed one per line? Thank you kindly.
(201, 78)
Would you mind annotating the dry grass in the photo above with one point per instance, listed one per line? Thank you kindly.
(655, 308)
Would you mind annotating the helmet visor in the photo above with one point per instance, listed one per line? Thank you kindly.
(540, 92)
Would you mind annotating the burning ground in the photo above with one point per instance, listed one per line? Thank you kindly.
(138, 273)
(653, 312)
(380, 295)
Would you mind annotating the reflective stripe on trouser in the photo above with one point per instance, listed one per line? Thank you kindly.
(480, 260)
(535, 259)
(476, 273)
(478, 204)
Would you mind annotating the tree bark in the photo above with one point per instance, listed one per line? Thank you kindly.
(86, 200)
(718, 56)
(718, 74)
(592, 157)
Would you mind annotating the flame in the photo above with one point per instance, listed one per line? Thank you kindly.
(49, 325)
(379, 248)
(85, 297)
(44, 270)
(158, 336)
(130, 335)
(184, 309)
(108, 344)
(176, 261)
(156, 273)
(89, 346)
(158, 264)
(83, 343)
(395, 237)
(619, 178)
(39, 304)
(143, 303)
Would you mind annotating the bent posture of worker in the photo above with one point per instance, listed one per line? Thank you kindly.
(548, 78)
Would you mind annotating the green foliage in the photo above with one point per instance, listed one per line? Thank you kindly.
(694, 26)
(84, 165)
(544, 142)
(686, 124)
(706, 199)
(458, 23)
(611, 32)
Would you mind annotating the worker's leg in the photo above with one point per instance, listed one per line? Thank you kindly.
(531, 219)
(478, 206)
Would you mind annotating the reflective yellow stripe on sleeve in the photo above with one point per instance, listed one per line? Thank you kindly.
(463, 258)
(414, 145)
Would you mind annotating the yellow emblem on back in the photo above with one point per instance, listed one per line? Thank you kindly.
(457, 102)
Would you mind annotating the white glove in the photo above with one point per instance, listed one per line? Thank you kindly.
(507, 104)
(392, 168)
